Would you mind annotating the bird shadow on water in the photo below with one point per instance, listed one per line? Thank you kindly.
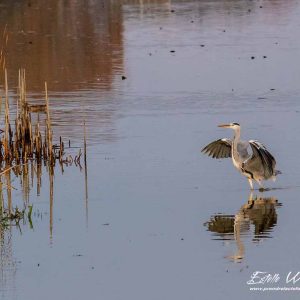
(253, 222)
(267, 189)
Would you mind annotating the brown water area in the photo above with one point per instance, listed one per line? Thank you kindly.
(65, 43)
(73, 46)
(145, 215)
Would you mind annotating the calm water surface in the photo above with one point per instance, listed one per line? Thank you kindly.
(158, 219)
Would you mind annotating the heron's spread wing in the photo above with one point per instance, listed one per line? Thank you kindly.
(263, 157)
(218, 149)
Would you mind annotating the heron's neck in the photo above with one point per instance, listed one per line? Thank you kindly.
(236, 139)
(234, 152)
(237, 135)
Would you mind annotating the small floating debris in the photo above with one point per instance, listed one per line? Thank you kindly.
(37, 108)
(172, 51)
(252, 57)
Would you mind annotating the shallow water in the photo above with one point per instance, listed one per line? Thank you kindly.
(159, 220)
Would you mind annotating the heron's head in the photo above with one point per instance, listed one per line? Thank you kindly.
(233, 125)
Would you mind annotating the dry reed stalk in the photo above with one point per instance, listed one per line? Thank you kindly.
(84, 147)
(49, 133)
(25, 181)
(32, 173)
(8, 169)
(61, 150)
(38, 178)
(51, 175)
(9, 199)
(6, 137)
(1, 198)
(85, 171)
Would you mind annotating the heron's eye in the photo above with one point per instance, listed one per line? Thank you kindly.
(237, 124)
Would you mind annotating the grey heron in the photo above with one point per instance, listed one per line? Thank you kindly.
(257, 165)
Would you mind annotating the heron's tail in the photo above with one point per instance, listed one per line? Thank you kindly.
(277, 172)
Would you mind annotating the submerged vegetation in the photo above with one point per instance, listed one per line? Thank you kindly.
(14, 217)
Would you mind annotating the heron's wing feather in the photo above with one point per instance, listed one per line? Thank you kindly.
(261, 156)
(218, 149)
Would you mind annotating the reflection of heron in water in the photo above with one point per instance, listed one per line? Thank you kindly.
(258, 166)
(258, 211)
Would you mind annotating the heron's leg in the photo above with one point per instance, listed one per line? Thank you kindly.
(261, 188)
(260, 184)
(250, 199)
(251, 183)
(250, 202)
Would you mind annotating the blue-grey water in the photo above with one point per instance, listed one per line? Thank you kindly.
(158, 220)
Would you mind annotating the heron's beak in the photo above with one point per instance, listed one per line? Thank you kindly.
(224, 125)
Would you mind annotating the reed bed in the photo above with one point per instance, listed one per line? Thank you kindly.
(26, 144)
(23, 139)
